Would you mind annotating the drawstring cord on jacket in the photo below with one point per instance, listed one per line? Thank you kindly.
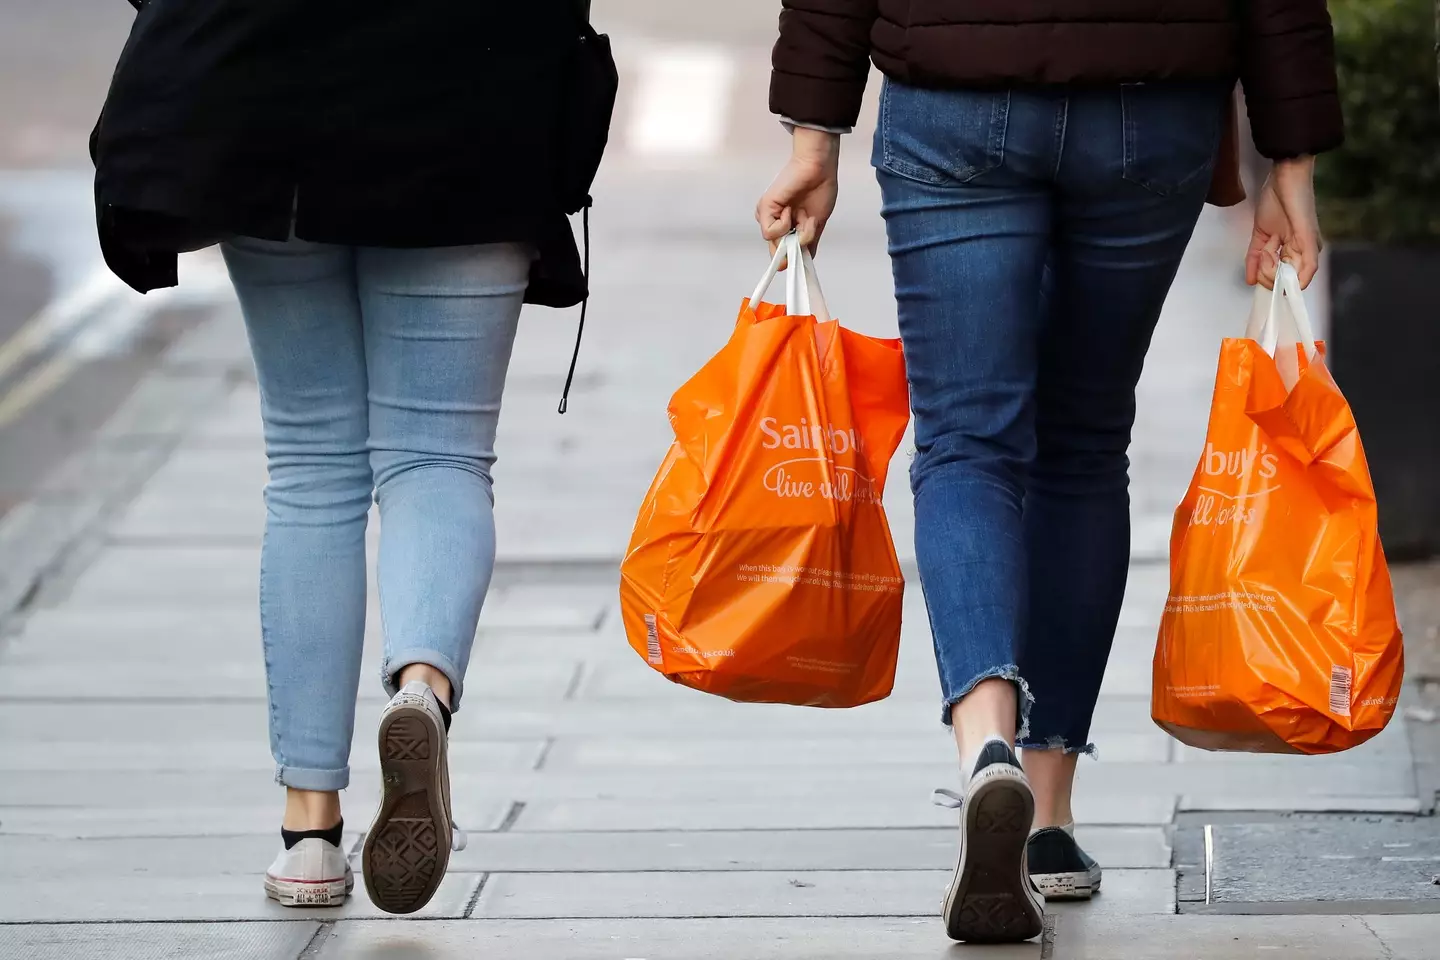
(584, 306)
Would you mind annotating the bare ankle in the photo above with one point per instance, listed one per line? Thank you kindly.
(1052, 776)
(988, 710)
(431, 677)
(311, 809)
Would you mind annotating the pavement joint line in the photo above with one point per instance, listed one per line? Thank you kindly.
(544, 754)
(167, 921)
(1048, 935)
(475, 897)
(572, 690)
(317, 942)
(517, 807)
(1378, 939)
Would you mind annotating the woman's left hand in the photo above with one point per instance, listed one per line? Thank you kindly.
(1286, 225)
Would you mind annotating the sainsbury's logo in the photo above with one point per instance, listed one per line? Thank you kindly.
(1216, 507)
(1238, 463)
(816, 475)
(809, 436)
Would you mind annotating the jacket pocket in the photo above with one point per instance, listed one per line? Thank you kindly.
(941, 136)
(1171, 133)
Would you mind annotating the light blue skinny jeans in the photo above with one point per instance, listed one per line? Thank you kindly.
(380, 375)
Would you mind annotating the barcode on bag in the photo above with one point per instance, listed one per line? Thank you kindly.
(652, 642)
(1340, 690)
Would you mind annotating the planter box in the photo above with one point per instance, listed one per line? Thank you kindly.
(1384, 350)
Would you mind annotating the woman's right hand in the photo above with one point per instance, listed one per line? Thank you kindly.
(802, 196)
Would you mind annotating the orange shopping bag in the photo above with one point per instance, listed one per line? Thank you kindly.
(1279, 634)
(761, 568)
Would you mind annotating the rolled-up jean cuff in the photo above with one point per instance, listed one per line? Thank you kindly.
(396, 662)
(1023, 702)
(312, 778)
(1060, 743)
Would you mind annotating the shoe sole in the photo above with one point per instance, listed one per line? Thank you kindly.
(297, 893)
(990, 899)
(1080, 885)
(408, 846)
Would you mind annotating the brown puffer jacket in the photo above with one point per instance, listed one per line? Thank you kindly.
(1281, 50)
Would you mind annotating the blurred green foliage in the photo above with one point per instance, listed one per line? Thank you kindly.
(1383, 185)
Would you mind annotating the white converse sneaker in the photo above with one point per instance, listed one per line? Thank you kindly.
(313, 873)
(408, 846)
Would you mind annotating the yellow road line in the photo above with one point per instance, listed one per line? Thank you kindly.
(35, 386)
(57, 318)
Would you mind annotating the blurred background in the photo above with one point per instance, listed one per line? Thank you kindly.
(130, 477)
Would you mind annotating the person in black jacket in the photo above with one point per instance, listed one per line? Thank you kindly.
(1042, 167)
(389, 183)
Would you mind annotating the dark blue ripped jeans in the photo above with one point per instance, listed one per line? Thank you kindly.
(1034, 236)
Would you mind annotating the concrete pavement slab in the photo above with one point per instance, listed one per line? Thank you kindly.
(213, 897)
(206, 577)
(64, 632)
(819, 811)
(175, 679)
(717, 850)
(1405, 937)
(855, 893)
(636, 680)
(1302, 862)
(123, 859)
(1282, 802)
(239, 756)
(1078, 936)
(238, 418)
(223, 577)
(705, 751)
(1128, 676)
(231, 517)
(211, 816)
(127, 792)
(1233, 938)
(630, 720)
(272, 940)
(691, 939)
(915, 759)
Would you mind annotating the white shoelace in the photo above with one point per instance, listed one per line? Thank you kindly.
(458, 839)
(947, 798)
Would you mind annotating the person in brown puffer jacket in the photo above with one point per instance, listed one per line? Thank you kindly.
(1042, 166)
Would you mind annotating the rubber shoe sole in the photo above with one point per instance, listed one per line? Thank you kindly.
(408, 846)
(1080, 885)
(990, 898)
(302, 893)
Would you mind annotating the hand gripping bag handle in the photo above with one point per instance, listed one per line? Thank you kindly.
(803, 296)
(1268, 317)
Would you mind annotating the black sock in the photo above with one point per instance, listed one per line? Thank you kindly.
(444, 713)
(332, 836)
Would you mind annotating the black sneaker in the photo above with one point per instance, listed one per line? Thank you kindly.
(991, 898)
(1060, 868)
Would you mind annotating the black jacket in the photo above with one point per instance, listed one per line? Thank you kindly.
(1282, 50)
(367, 122)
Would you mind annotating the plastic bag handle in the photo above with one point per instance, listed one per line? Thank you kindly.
(803, 295)
(1266, 326)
